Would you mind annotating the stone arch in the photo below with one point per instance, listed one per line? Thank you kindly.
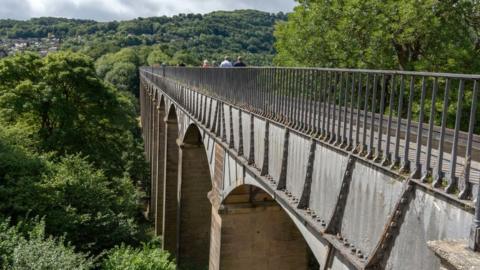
(170, 182)
(252, 231)
(195, 207)
(167, 107)
(156, 94)
(161, 102)
(171, 112)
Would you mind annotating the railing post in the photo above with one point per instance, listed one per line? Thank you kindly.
(452, 178)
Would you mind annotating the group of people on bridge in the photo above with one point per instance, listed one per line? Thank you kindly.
(225, 63)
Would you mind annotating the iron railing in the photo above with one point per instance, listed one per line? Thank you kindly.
(420, 123)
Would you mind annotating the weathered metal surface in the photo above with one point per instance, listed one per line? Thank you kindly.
(225, 123)
(246, 134)
(380, 254)
(209, 144)
(327, 171)
(264, 170)
(233, 174)
(339, 263)
(251, 152)
(298, 149)
(259, 141)
(276, 139)
(371, 200)
(307, 186)
(236, 128)
(335, 222)
(363, 212)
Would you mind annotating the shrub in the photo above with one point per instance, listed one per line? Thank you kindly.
(149, 257)
(34, 251)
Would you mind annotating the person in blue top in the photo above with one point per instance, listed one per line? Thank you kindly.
(226, 63)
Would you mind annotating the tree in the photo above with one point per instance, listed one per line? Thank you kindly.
(20, 173)
(70, 110)
(121, 68)
(124, 76)
(157, 57)
(94, 212)
(412, 35)
(184, 57)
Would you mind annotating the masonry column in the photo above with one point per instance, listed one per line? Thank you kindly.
(194, 211)
(215, 240)
(148, 125)
(170, 204)
(153, 162)
(160, 168)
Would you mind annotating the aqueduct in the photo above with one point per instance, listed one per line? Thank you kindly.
(247, 174)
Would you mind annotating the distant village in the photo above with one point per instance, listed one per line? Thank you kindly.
(41, 45)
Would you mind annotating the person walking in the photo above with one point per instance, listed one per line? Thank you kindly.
(239, 62)
(226, 63)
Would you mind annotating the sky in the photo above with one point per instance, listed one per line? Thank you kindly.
(108, 10)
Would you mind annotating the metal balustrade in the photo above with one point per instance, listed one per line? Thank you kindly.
(424, 124)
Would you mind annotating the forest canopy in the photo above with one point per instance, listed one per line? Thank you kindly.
(427, 35)
(212, 35)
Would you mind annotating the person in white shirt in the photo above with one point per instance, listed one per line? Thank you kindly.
(226, 63)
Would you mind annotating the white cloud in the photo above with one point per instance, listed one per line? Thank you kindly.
(106, 10)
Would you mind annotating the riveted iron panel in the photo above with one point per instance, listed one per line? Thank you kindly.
(276, 137)
(209, 144)
(236, 128)
(259, 141)
(298, 149)
(226, 115)
(328, 171)
(246, 134)
(371, 200)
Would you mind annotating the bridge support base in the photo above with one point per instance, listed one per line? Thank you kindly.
(455, 254)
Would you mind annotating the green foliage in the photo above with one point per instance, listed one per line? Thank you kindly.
(35, 251)
(183, 57)
(94, 212)
(150, 257)
(412, 35)
(70, 151)
(20, 173)
(124, 76)
(157, 57)
(70, 110)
